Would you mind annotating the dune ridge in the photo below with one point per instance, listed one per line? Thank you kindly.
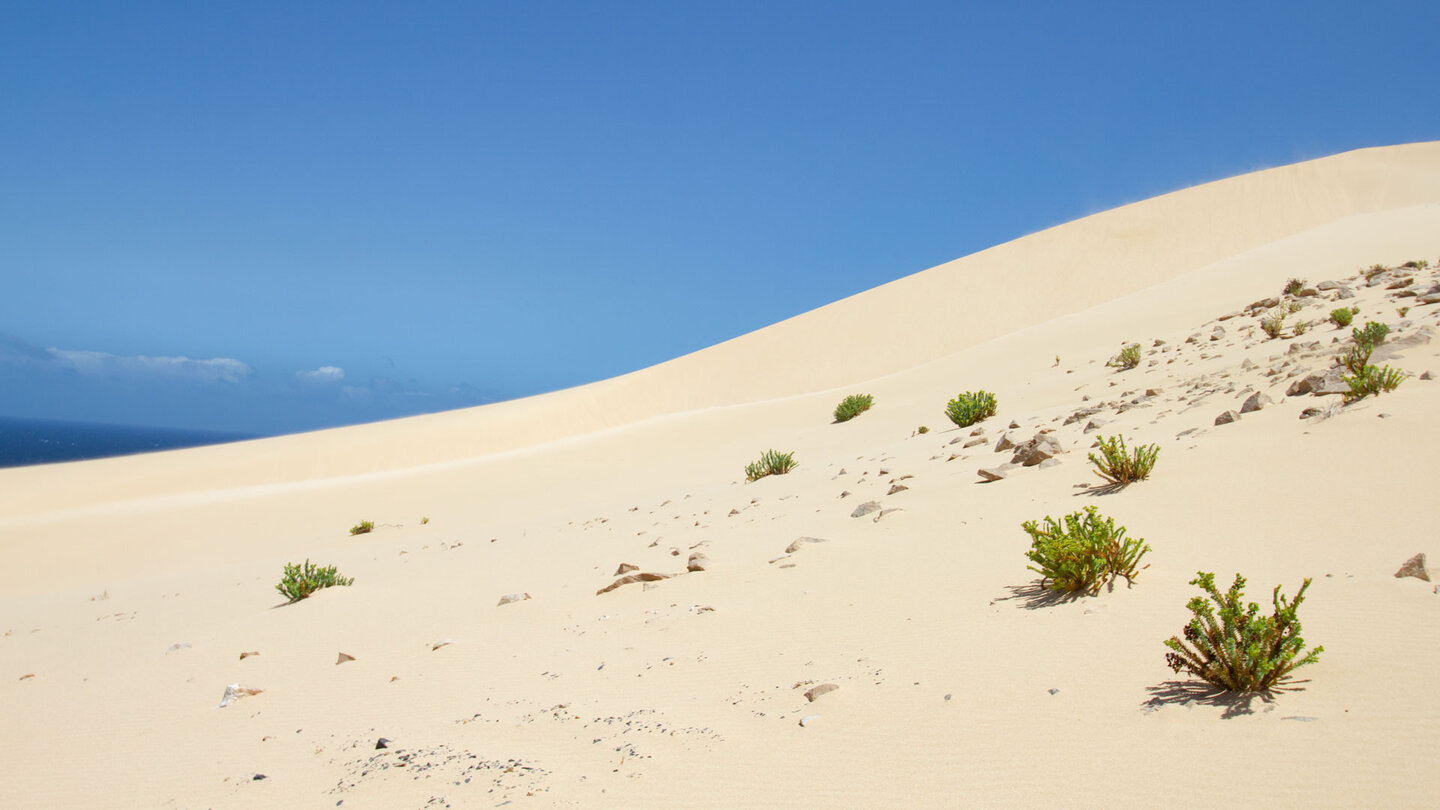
(938, 672)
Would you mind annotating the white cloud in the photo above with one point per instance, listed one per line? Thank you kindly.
(324, 374)
(217, 369)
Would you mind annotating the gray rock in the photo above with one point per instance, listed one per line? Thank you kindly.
(1227, 417)
(1048, 463)
(1094, 425)
(865, 509)
(1038, 449)
(1265, 303)
(1080, 414)
(1345, 292)
(1414, 567)
(996, 473)
(1255, 402)
(1248, 365)
(1218, 333)
(816, 691)
(897, 489)
(1227, 316)
(512, 597)
(803, 541)
(697, 562)
(1327, 286)
(1007, 442)
(976, 442)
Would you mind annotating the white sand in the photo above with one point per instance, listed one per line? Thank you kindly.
(639, 699)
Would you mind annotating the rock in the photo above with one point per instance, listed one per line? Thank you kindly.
(1080, 414)
(1007, 442)
(1345, 292)
(803, 541)
(884, 512)
(512, 597)
(437, 645)
(1093, 425)
(245, 655)
(625, 568)
(1327, 286)
(1265, 303)
(1036, 450)
(697, 562)
(897, 489)
(234, 692)
(781, 557)
(1154, 392)
(808, 719)
(1308, 292)
(632, 578)
(1048, 463)
(1309, 412)
(1414, 567)
(976, 442)
(1218, 333)
(1014, 425)
(845, 493)
(733, 513)
(1331, 382)
(1255, 402)
(996, 473)
(343, 657)
(259, 777)
(1227, 316)
(865, 509)
(1227, 417)
(816, 691)
(381, 744)
(1425, 375)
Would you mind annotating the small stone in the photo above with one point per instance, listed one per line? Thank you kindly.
(884, 512)
(802, 541)
(948, 695)
(697, 562)
(845, 493)
(1425, 375)
(865, 509)
(1094, 425)
(1309, 412)
(512, 597)
(808, 719)
(245, 655)
(1327, 286)
(823, 689)
(1414, 567)
(1014, 425)
(1006, 442)
(625, 568)
(733, 512)
(897, 489)
(437, 645)
(343, 657)
(1218, 333)
(1255, 402)
(183, 645)
(381, 744)
(981, 440)
(1053, 691)
(1248, 365)
(257, 777)
(632, 578)
(996, 473)
(1227, 417)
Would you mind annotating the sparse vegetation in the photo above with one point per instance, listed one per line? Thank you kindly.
(1357, 357)
(1235, 648)
(772, 462)
(1416, 264)
(1294, 307)
(1082, 552)
(299, 582)
(971, 407)
(1294, 286)
(922, 430)
(1403, 311)
(852, 406)
(1375, 270)
(1128, 358)
(1343, 316)
(1274, 323)
(1118, 465)
(1372, 335)
(1301, 327)
(1372, 380)
(362, 527)
(424, 520)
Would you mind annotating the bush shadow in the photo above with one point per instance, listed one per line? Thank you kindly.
(1232, 704)
(1035, 596)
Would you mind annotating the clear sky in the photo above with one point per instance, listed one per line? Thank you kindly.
(269, 217)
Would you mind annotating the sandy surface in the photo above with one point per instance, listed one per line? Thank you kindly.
(130, 587)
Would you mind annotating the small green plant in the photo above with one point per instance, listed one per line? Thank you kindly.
(1274, 323)
(1343, 316)
(852, 406)
(362, 527)
(1128, 358)
(424, 520)
(1294, 286)
(1357, 357)
(1372, 335)
(1235, 648)
(1294, 307)
(1375, 270)
(971, 407)
(772, 462)
(1371, 380)
(1403, 311)
(1118, 465)
(1301, 327)
(1082, 552)
(922, 430)
(1416, 264)
(299, 582)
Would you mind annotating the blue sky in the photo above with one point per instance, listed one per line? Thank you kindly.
(269, 217)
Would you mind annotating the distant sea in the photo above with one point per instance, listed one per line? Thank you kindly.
(41, 441)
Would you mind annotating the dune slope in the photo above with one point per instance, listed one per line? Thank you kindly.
(133, 586)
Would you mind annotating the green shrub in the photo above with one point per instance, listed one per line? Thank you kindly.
(424, 520)
(362, 527)
(1237, 649)
(1371, 380)
(1118, 465)
(299, 582)
(922, 430)
(1403, 311)
(1129, 357)
(1357, 357)
(1083, 552)
(971, 407)
(1274, 323)
(1294, 286)
(1372, 335)
(1301, 327)
(1375, 270)
(852, 406)
(771, 462)
(1343, 316)
(1294, 307)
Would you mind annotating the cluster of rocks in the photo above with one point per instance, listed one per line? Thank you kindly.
(1038, 451)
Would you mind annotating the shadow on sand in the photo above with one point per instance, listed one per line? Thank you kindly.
(1207, 694)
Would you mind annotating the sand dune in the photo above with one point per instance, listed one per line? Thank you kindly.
(960, 682)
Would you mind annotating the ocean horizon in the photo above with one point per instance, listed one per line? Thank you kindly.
(26, 442)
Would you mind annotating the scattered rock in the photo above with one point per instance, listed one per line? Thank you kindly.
(381, 744)
(343, 657)
(816, 691)
(625, 568)
(1327, 286)
(808, 719)
(865, 509)
(1255, 402)
(1007, 442)
(1265, 303)
(1414, 567)
(1218, 333)
(245, 655)
(512, 597)
(632, 578)
(896, 489)
(1080, 414)
(1227, 316)
(234, 692)
(1094, 425)
(803, 541)
(996, 473)
(1038, 449)
(1227, 417)
(437, 645)
(697, 562)
(979, 440)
